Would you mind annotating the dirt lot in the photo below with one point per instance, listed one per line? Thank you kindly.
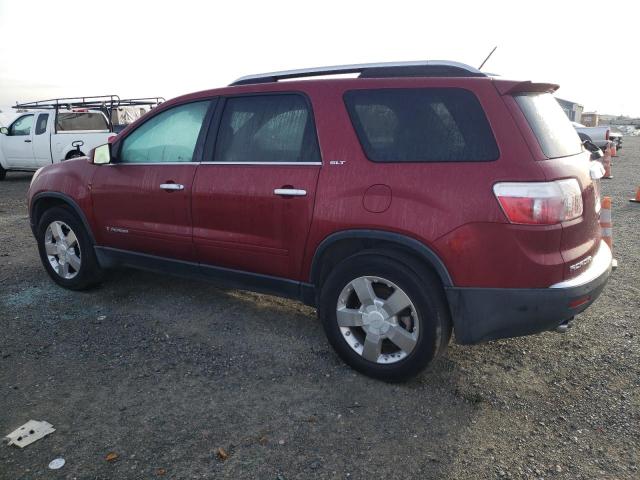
(164, 371)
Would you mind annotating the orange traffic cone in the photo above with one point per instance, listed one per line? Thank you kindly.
(614, 150)
(606, 225)
(606, 161)
(605, 221)
(637, 199)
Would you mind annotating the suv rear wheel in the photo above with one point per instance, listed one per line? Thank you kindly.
(383, 318)
(66, 250)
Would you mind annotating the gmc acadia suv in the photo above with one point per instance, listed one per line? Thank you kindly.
(414, 201)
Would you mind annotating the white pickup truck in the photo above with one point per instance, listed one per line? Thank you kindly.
(40, 137)
(598, 135)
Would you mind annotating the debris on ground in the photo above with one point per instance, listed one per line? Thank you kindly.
(56, 463)
(222, 454)
(29, 432)
(111, 457)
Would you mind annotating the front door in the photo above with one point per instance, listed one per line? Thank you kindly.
(142, 200)
(253, 198)
(16, 146)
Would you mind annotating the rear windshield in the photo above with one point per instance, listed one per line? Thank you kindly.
(421, 125)
(555, 134)
(81, 121)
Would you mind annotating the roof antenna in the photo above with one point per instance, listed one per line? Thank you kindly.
(488, 56)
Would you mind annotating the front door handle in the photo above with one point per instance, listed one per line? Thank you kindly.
(290, 192)
(27, 141)
(170, 187)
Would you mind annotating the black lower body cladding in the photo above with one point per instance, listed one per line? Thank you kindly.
(483, 314)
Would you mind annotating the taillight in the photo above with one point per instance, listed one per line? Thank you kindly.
(540, 203)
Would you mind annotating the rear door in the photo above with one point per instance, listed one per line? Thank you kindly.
(41, 141)
(253, 196)
(142, 201)
(17, 146)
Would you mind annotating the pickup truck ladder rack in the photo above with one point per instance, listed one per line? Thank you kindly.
(425, 68)
(104, 103)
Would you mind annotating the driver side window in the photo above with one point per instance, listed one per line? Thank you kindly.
(21, 126)
(168, 137)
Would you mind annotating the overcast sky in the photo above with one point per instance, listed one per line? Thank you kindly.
(130, 48)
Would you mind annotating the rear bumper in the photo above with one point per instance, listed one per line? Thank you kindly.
(482, 314)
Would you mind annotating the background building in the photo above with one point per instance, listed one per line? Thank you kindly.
(590, 119)
(572, 109)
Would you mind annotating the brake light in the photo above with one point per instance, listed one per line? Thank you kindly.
(540, 203)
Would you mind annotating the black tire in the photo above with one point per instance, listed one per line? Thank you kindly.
(89, 273)
(74, 154)
(426, 294)
(3, 173)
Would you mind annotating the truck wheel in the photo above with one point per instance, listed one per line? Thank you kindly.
(3, 173)
(66, 250)
(383, 318)
(74, 154)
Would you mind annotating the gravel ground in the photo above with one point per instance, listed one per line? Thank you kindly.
(164, 372)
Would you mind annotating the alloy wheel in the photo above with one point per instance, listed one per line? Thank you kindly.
(377, 319)
(63, 250)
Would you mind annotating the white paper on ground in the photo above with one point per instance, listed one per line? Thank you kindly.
(29, 432)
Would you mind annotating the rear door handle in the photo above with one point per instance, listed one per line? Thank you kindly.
(171, 186)
(290, 192)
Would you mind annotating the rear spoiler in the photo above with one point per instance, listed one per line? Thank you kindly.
(509, 87)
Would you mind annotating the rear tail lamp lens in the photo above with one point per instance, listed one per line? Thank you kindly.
(540, 203)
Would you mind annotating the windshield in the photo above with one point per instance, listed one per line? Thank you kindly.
(552, 128)
(81, 121)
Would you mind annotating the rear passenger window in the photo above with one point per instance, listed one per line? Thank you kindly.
(421, 125)
(267, 128)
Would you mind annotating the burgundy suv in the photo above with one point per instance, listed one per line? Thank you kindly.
(414, 201)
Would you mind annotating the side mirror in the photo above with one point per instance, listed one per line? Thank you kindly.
(101, 155)
(4, 131)
(597, 155)
(589, 145)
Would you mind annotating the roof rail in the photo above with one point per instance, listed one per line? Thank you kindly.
(425, 68)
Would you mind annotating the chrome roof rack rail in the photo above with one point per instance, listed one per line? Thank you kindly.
(424, 68)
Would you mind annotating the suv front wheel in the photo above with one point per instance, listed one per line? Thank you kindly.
(384, 318)
(66, 250)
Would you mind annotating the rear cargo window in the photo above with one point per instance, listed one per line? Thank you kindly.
(421, 125)
(552, 128)
(67, 122)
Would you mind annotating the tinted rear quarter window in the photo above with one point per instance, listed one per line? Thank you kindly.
(552, 128)
(421, 125)
(41, 124)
